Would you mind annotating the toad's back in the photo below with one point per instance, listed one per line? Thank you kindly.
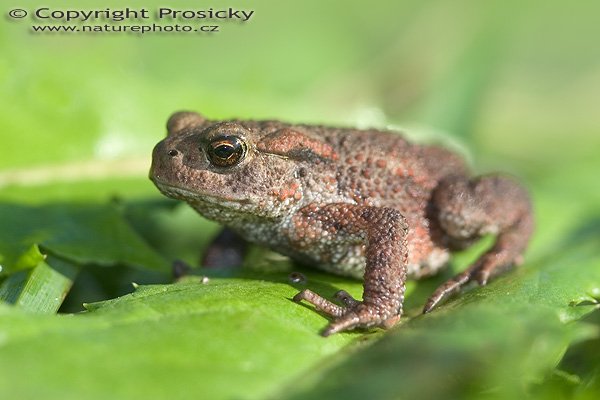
(380, 166)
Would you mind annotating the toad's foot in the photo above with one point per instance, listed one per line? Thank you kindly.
(354, 313)
(448, 288)
(486, 267)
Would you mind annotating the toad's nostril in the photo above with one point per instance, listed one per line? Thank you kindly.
(173, 153)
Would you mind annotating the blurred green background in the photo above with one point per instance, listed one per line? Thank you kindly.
(514, 85)
(518, 80)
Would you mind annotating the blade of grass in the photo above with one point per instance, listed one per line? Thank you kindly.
(41, 289)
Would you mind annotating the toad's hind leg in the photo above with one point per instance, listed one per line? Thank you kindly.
(469, 208)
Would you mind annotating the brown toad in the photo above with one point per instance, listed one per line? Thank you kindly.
(360, 203)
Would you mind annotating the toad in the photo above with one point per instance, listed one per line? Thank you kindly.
(361, 203)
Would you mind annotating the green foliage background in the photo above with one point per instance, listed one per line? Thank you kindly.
(513, 85)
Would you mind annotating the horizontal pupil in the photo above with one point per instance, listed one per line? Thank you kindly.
(224, 151)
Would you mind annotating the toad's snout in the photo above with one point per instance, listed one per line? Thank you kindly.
(165, 158)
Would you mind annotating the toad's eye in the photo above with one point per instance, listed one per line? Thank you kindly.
(226, 151)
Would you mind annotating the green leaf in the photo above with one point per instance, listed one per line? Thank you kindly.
(498, 340)
(78, 232)
(228, 338)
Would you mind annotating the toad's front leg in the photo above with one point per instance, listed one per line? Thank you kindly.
(383, 231)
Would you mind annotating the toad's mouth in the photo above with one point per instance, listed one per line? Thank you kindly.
(179, 193)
